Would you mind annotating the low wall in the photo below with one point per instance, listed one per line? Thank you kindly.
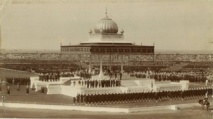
(128, 83)
(33, 80)
(70, 91)
(138, 89)
(64, 79)
(185, 84)
(154, 108)
(54, 89)
(150, 83)
(168, 87)
(99, 109)
(101, 90)
(38, 86)
(63, 107)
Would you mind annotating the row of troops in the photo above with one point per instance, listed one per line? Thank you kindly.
(171, 77)
(48, 78)
(15, 80)
(176, 78)
(114, 74)
(142, 96)
(51, 77)
(18, 88)
(97, 83)
(84, 75)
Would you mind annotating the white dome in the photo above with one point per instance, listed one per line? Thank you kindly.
(106, 25)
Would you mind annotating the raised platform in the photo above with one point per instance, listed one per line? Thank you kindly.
(127, 86)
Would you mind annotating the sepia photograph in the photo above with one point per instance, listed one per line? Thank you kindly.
(106, 59)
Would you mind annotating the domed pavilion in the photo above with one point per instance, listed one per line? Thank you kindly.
(105, 42)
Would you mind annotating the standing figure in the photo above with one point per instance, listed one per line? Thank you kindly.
(8, 90)
(182, 94)
(42, 89)
(27, 90)
(73, 83)
(115, 74)
(18, 87)
(156, 96)
(33, 87)
(13, 81)
(120, 75)
(207, 82)
(74, 100)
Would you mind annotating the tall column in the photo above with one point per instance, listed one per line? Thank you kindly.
(122, 65)
(110, 62)
(153, 57)
(90, 64)
(101, 68)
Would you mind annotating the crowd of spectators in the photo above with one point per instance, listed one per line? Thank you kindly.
(199, 65)
(71, 57)
(173, 76)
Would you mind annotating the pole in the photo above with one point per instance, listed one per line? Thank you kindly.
(122, 65)
(3, 100)
(110, 61)
(101, 68)
(90, 67)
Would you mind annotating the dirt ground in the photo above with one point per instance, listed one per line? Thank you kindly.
(195, 113)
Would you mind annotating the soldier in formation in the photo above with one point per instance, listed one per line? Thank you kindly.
(20, 81)
(18, 87)
(108, 98)
(97, 83)
(8, 90)
(27, 90)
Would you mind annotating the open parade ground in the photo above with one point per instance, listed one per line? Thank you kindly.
(191, 113)
(36, 97)
(106, 59)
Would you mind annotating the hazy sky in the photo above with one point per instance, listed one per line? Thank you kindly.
(172, 25)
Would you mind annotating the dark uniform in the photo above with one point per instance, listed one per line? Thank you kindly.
(27, 90)
(18, 87)
(78, 98)
(74, 100)
(8, 90)
(120, 76)
(42, 89)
